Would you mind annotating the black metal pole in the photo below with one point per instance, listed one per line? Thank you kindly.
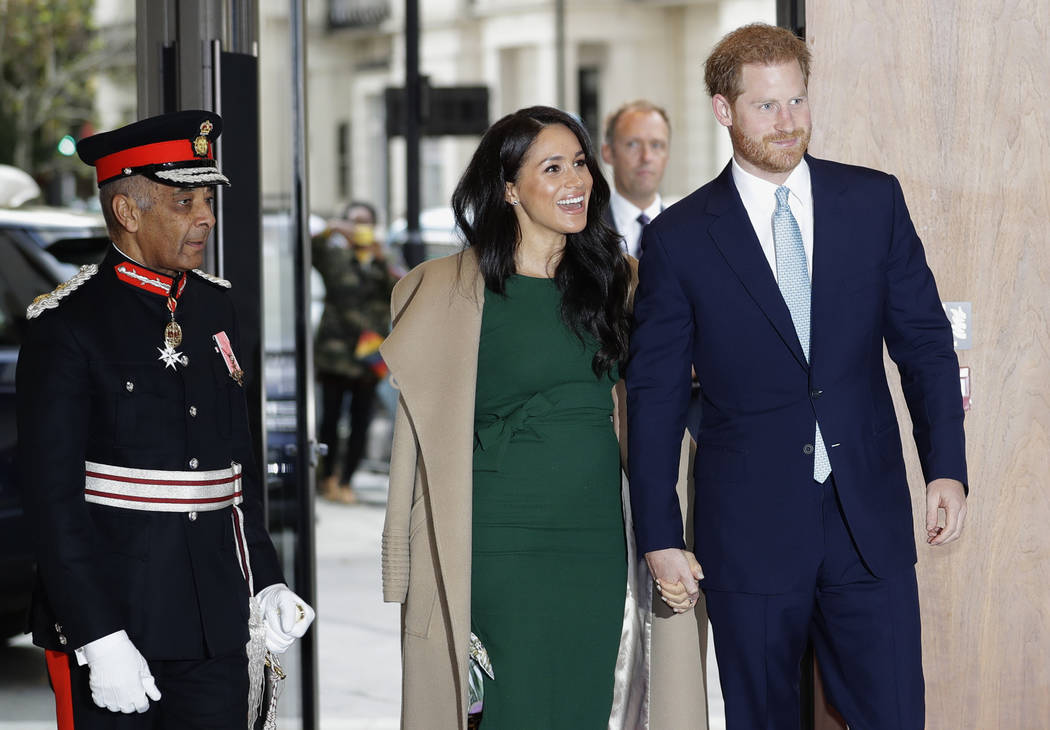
(413, 93)
(305, 554)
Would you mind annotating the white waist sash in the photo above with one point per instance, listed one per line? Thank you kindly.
(156, 490)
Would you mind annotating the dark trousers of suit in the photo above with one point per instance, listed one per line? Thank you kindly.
(203, 694)
(362, 392)
(865, 633)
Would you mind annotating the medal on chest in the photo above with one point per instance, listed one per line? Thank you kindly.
(172, 339)
(171, 290)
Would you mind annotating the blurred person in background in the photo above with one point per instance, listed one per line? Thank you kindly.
(356, 318)
(505, 532)
(637, 146)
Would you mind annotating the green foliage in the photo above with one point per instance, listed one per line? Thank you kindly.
(49, 52)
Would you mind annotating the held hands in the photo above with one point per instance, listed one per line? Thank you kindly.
(676, 573)
(286, 615)
(949, 495)
(118, 675)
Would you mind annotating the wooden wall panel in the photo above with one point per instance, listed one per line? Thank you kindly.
(953, 96)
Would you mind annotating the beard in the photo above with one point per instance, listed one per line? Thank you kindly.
(762, 154)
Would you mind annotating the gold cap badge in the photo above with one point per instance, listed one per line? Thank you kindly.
(200, 144)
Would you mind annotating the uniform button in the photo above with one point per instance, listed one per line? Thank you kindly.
(58, 628)
(194, 463)
(814, 394)
(807, 449)
(129, 386)
(193, 411)
(62, 640)
(192, 516)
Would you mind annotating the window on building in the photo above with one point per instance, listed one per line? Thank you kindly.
(587, 102)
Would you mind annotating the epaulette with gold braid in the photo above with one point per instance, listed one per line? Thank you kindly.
(213, 279)
(63, 290)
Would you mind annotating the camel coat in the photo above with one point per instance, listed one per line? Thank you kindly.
(432, 354)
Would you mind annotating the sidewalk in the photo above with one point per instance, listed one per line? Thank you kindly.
(358, 636)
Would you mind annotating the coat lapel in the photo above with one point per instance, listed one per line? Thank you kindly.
(733, 234)
(432, 354)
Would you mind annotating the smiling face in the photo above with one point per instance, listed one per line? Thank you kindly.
(170, 234)
(553, 186)
(769, 123)
(638, 154)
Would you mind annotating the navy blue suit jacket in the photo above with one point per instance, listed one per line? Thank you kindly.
(708, 299)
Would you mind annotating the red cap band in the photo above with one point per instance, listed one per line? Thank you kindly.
(158, 153)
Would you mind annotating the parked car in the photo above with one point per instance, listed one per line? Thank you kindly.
(27, 269)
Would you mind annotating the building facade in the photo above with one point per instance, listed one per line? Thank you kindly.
(613, 51)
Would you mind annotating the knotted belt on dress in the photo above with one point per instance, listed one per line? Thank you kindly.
(569, 403)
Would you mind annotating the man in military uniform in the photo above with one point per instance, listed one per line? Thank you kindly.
(136, 464)
(356, 317)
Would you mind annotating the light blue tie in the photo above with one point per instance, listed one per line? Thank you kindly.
(793, 279)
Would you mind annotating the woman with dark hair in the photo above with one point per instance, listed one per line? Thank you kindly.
(505, 530)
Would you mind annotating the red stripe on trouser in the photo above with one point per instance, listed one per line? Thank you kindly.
(58, 668)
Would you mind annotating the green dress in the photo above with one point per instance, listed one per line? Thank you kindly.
(549, 566)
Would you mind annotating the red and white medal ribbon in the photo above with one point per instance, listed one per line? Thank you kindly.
(225, 349)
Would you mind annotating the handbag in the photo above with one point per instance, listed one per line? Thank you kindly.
(480, 667)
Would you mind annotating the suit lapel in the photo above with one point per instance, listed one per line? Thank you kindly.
(733, 234)
(830, 250)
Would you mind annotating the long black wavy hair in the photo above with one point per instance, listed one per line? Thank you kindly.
(593, 274)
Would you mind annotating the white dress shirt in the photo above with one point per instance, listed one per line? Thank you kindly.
(759, 198)
(625, 216)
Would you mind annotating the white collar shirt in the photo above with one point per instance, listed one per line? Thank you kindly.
(625, 216)
(759, 198)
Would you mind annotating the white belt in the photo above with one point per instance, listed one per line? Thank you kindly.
(155, 490)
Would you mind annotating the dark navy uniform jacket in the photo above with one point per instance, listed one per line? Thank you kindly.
(91, 387)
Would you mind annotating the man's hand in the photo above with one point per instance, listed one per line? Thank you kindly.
(118, 675)
(676, 573)
(286, 615)
(949, 495)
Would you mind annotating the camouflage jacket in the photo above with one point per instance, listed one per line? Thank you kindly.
(357, 299)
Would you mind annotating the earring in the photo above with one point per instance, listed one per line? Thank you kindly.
(514, 202)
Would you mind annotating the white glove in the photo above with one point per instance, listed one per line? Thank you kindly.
(118, 674)
(286, 615)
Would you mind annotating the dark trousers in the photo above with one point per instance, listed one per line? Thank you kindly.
(203, 694)
(865, 633)
(362, 392)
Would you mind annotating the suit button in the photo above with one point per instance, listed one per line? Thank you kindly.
(807, 449)
(194, 463)
(58, 628)
(62, 640)
(192, 516)
(814, 394)
(129, 386)
(193, 411)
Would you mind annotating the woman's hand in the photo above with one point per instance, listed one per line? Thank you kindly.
(676, 595)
